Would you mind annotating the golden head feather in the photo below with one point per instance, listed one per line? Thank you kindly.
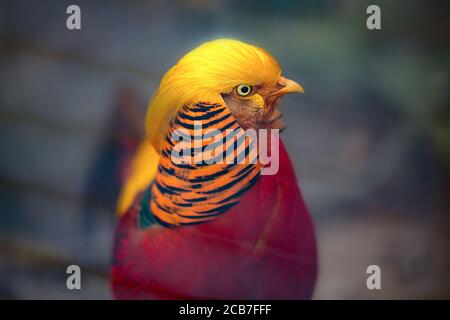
(202, 75)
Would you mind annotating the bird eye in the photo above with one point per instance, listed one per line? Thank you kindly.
(243, 90)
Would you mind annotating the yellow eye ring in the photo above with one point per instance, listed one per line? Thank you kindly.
(244, 90)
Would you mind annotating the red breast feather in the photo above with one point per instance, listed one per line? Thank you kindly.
(262, 248)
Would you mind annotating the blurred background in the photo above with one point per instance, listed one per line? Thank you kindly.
(370, 139)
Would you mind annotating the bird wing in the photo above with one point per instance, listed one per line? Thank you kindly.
(142, 171)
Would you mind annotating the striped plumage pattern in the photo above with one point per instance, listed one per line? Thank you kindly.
(198, 191)
(261, 248)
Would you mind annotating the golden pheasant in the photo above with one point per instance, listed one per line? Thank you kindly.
(199, 216)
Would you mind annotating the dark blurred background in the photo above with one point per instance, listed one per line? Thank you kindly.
(370, 139)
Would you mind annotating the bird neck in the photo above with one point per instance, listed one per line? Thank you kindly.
(200, 179)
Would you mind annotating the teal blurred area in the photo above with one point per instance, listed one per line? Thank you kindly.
(370, 138)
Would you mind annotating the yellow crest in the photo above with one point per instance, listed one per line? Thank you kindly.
(202, 75)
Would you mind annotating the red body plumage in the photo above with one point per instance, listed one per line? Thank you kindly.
(262, 248)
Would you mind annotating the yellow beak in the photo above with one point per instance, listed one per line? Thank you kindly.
(290, 86)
